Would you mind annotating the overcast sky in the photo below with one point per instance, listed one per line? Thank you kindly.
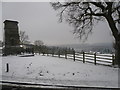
(40, 22)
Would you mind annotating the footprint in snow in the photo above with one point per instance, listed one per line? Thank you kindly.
(73, 74)
(63, 74)
(30, 64)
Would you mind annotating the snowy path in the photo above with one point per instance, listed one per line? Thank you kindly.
(52, 70)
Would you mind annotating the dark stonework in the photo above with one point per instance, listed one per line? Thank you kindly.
(11, 33)
(11, 37)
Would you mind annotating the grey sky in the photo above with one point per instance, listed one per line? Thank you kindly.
(40, 22)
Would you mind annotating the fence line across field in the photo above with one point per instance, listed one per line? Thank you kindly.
(95, 58)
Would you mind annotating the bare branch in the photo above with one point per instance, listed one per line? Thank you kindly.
(83, 15)
(98, 4)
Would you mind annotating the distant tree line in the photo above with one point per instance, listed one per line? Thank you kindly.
(43, 49)
(101, 50)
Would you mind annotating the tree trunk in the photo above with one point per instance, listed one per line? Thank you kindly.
(117, 38)
(117, 52)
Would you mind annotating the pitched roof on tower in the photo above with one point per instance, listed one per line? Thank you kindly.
(10, 21)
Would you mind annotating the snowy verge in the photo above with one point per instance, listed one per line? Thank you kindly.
(57, 71)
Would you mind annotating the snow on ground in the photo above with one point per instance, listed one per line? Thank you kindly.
(54, 70)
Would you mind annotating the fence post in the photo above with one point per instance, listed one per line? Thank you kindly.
(83, 57)
(95, 58)
(47, 54)
(65, 54)
(43, 54)
(7, 67)
(74, 55)
(59, 53)
(113, 60)
(53, 54)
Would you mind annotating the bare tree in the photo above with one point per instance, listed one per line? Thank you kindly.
(38, 43)
(24, 39)
(39, 46)
(83, 15)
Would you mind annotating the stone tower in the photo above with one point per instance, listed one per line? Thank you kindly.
(11, 33)
(11, 36)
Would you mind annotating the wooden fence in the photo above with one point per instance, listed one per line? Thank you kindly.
(103, 59)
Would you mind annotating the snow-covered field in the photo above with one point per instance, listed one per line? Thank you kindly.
(60, 71)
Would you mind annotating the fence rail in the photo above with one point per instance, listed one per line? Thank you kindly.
(103, 59)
